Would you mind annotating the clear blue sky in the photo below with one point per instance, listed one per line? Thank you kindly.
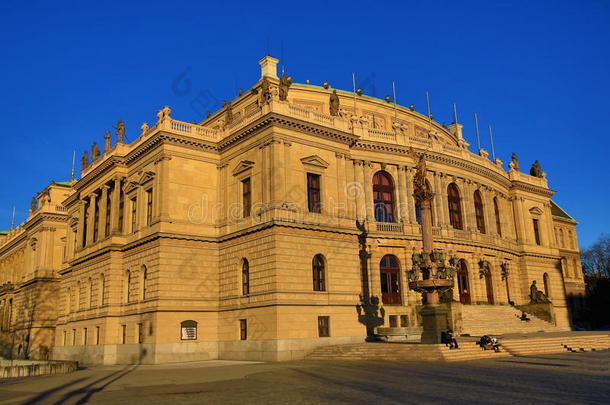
(538, 71)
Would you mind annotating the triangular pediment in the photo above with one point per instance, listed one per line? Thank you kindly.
(315, 160)
(129, 187)
(535, 211)
(146, 176)
(242, 166)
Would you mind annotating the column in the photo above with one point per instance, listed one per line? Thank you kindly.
(410, 199)
(518, 211)
(341, 203)
(81, 225)
(549, 226)
(222, 202)
(467, 207)
(368, 192)
(288, 184)
(92, 203)
(444, 203)
(490, 215)
(350, 199)
(114, 209)
(402, 192)
(103, 212)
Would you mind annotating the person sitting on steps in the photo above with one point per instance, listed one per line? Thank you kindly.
(524, 317)
(449, 340)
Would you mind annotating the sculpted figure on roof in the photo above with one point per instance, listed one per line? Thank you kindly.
(285, 82)
(536, 170)
(334, 103)
(120, 131)
(265, 92)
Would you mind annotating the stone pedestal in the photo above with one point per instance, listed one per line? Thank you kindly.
(434, 321)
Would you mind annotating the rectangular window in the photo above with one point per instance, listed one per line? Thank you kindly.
(536, 224)
(393, 321)
(121, 210)
(123, 334)
(108, 203)
(73, 337)
(246, 194)
(85, 225)
(65, 342)
(85, 336)
(313, 193)
(140, 333)
(134, 214)
(97, 335)
(96, 220)
(324, 326)
(243, 329)
(149, 206)
(404, 321)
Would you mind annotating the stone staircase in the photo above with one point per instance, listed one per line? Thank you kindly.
(573, 342)
(478, 320)
(403, 352)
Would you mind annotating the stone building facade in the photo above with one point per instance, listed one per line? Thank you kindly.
(255, 233)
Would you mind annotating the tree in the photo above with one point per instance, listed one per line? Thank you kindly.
(596, 259)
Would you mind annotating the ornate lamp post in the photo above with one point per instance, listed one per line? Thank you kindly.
(432, 273)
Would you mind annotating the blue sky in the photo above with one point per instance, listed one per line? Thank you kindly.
(537, 71)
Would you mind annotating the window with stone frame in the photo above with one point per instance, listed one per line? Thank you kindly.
(455, 210)
(324, 326)
(149, 206)
(246, 196)
(243, 329)
(479, 211)
(245, 277)
(319, 273)
(497, 215)
(383, 197)
(313, 193)
(134, 213)
(536, 226)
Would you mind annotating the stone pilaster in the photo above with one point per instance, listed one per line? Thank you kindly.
(81, 225)
(92, 208)
(410, 199)
(368, 192)
(162, 191)
(357, 191)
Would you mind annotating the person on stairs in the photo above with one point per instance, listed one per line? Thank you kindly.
(450, 340)
(524, 317)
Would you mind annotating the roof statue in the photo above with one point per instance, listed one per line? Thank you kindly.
(265, 95)
(285, 82)
(85, 160)
(514, 162)
(33, 204)
(334, 103)
(536, 170)
(107, 141)
(120, 131)
(95, 151)
(144, 128)
(164, 113)
(229, 114)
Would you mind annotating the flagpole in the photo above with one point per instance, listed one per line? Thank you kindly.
(395, 103)
(73, 163)
(354, 87)
(429, 112)
(476, 125)
(13, 219)
(491, 138)
(455, 121)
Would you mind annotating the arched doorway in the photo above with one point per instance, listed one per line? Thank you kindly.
(463, 284)
(489, 287)
(390, 280)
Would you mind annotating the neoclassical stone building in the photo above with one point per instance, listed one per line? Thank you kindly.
(255, 233)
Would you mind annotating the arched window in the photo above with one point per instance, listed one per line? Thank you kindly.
(478, 211)
(245, 277)
(383, 197)
(455, 210)
(547, 285)
(144, 281)
(319, 276)
(497, 214)
(561, 238)
(418, 209)
(462, 281)
(390, 280)
(127, 287)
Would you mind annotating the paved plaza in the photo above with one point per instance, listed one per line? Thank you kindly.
(570, 378)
